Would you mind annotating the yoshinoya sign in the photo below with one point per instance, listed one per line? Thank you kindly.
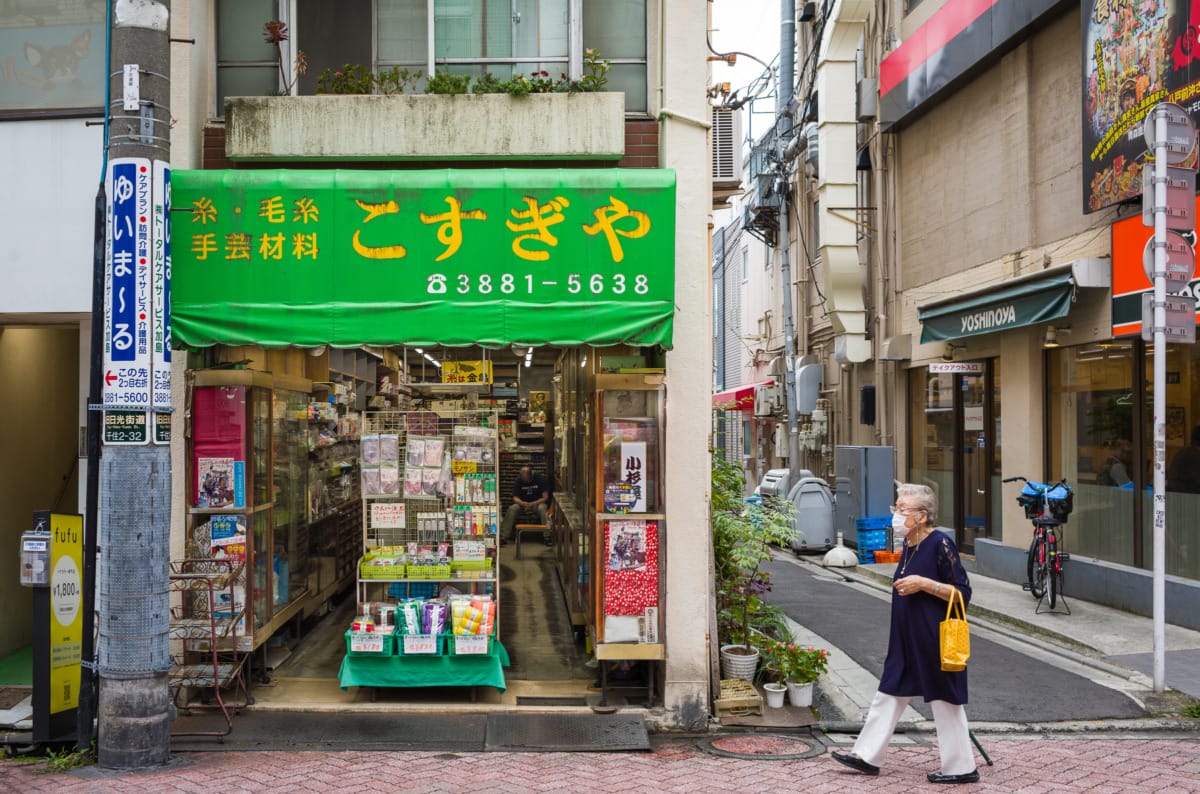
(1028, 302)
(988, 319)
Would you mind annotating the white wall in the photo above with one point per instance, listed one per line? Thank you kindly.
(51, 172)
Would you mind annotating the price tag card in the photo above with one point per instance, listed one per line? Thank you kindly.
(420, 643)
(366, 643)
(471, 644)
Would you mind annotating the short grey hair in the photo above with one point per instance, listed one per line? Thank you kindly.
(922, 498)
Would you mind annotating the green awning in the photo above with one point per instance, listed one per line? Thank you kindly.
(1028, 302)
(490, 257)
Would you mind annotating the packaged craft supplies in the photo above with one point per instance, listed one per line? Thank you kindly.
(472, 614)
(421, 616)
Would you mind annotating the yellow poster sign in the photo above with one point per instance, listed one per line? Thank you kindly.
(66, 610)
(466, 372)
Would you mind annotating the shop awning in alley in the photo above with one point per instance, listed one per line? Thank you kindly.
(1030, 300)
(453, 257)
(739, 398)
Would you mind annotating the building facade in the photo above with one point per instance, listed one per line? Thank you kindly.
(937, 192)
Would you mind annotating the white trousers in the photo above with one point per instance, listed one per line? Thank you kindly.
(954, 739)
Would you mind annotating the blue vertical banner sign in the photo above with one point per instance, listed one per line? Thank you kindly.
(127, 301)
(160, 326)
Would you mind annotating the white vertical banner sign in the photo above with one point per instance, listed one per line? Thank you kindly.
(160, 326)
(633, 473)
(127, 302)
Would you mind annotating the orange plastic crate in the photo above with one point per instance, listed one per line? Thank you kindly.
(886, 556)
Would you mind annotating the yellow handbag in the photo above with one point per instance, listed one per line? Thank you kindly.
(955, 636)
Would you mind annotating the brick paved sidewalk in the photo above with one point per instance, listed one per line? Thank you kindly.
(1099, 763)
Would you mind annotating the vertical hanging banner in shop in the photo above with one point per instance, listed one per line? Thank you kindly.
(631, 581)
(127, 302)
(160, 326)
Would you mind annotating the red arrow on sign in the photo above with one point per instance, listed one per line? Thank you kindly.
(109, 378)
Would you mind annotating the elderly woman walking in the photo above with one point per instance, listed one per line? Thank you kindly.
(928, 573)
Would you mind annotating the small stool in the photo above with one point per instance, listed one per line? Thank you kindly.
(520, 529)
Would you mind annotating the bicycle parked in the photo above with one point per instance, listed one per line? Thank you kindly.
(1047, 506)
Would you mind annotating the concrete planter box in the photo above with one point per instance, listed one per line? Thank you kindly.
(584, 126)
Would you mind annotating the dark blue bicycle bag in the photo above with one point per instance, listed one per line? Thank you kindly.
(1060, 500)
(1031, 497)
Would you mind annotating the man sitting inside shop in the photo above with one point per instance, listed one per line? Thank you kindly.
(529, 493)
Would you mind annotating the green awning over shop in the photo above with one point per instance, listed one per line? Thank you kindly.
(490, 257)
(1029, 302)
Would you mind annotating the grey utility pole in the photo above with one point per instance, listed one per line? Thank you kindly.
(783, 188)
(132, 657)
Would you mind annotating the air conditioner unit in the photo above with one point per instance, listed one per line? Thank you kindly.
(726, 154)
(768, 399)
(868, 98)
(726, 145)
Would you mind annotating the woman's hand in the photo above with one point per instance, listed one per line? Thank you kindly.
(910, 585)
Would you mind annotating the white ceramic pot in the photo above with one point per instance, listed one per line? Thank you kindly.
(800, 694)
(775, 693)
(738, 665)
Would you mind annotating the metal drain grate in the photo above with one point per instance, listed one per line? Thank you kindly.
(566, 732)
(532, 700)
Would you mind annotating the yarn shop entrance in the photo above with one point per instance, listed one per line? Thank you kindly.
(359, 410)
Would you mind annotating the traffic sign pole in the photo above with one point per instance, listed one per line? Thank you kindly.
(1160, 402)
(1171, 136)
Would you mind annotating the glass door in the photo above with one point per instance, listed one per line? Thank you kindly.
(954, 444)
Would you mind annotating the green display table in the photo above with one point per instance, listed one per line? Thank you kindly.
(444, 670)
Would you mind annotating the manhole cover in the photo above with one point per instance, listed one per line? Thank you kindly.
(762, 746)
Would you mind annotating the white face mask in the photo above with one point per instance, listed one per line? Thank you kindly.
(899, 528)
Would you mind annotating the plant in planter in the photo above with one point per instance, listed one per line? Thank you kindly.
(275, 33)
(742, 538)
(799, 666)
(352, 78)
(447, 83)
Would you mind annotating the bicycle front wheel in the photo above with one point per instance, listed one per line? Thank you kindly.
(1035, 573)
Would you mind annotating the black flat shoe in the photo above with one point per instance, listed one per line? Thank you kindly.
(854, 762)
(969, 777)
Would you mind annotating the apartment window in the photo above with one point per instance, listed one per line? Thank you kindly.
(470, 37)
(246, 64)
(52, 59)
(745, 263)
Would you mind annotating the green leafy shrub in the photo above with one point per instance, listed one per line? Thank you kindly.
(742, 538)
(352, 78)
(488, 84)
(447, 83)
(396, 81)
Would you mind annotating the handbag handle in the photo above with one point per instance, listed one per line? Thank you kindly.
(956, 597)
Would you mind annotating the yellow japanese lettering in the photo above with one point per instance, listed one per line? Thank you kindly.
(377, 252)
(304, 244)
(237, 246)
(270, 246)
(537, 219)
(271, 209)
(608, 215)
(204, 244)
(203, 211)
(305, 210)
(449, 233)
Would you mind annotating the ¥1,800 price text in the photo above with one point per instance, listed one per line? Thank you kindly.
(508, 284)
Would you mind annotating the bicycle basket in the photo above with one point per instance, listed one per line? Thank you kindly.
(1060, 500)
(1031, 497)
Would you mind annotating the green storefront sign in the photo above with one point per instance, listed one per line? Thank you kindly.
(493, 257)
(1028, 303)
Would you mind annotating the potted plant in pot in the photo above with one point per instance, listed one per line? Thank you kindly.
(800, 667)
(743, 535)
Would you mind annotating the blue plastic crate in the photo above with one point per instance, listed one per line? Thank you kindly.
(872, 539)
(872, 522)
(866, 558)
